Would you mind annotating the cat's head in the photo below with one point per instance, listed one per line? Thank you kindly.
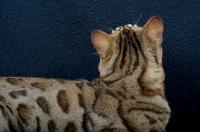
(128, 48)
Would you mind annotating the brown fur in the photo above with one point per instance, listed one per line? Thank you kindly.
(128, 97)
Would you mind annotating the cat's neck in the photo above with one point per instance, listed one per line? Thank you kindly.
(151, 79)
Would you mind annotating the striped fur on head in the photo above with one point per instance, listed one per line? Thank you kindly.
(128, 49)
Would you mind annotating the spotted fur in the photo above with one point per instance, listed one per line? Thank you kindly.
(128, 96)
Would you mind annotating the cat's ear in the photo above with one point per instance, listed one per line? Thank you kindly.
(154, 29)
(101, 41)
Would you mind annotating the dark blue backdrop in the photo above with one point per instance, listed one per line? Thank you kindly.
(51, 38)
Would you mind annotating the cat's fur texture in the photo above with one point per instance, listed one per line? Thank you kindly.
(128, 96)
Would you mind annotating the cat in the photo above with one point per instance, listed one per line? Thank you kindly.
(128, 97)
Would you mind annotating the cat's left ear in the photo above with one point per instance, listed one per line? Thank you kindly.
(101, 41)
(154, 29)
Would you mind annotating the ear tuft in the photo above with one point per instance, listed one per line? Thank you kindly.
(101, 41)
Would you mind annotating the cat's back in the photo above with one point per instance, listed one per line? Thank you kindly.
(48, 104)
(42, 84)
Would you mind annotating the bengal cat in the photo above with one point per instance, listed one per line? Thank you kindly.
(128, 96)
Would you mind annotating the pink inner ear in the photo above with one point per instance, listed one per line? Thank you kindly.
(156, 22)
(100, 41)
(157, 25)
(154, 28)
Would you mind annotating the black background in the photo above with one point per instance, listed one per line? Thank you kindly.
(51, 38)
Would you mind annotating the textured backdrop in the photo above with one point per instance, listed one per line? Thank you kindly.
(51, 38)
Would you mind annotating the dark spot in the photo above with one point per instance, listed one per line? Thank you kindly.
(95, 101)
(151, 119)
(60, 80)
(4, 112)
(2, 99)
(43, 104)
(15, 94)
(102, 115)
(9, 109)
(85, 116)
(161, 120)
(20, 126)
(14, 81)
(97, 96)
(110, 130)
(70, 127)
(63, 100)
(38, 124)
(123, 56)
(121, 94)
(153, 129)
(123, 86)
(51, 126)
(89, 84)
(12, 127)
(80, 85)
(39, 86)
(133, 97)
(139, 46)
(81, 101)
(109, 92)
(24, 113)
(96, 82)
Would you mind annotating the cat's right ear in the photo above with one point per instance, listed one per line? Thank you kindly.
(101, 41)
(154, 29)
